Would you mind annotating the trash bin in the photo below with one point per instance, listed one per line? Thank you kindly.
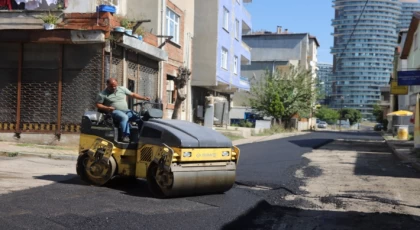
(402, 132)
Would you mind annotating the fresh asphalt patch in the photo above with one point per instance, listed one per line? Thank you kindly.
(266, 174)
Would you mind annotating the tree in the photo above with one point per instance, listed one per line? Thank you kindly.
(283, 94)
(180, 81)
(326, 114)
(378, 113)
(353, 115)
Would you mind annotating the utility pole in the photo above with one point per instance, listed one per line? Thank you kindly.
(341, 110)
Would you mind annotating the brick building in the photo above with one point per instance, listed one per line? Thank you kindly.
(51, 77)
(175, 29)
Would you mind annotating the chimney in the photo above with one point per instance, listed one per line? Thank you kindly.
(279, 29)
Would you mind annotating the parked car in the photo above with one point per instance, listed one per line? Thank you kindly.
(322, 124)
(378, 127)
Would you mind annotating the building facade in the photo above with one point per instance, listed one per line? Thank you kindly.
(410, 56)
(219, 50)
(51, 77)
(407, 9)
(324, 75)
(363, 64)
(276, 50)
(173, 22)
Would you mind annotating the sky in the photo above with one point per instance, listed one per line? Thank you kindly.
(298, 16)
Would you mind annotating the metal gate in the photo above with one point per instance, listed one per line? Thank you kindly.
(9, 63)
(115, 65)
(39, 94)
(82, 74)
(58, 83)
(144, 72)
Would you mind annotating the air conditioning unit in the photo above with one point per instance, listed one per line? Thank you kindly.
(170, 85)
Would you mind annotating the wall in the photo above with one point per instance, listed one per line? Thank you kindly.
(413, 62)
(81, 6)
(414, 57)
(205, 48)
(226, 39)
(254, 72)
(143, 10)
(276, 47)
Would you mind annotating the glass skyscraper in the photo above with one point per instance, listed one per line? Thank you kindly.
(324, 75)
(364, 63)
(407, 9)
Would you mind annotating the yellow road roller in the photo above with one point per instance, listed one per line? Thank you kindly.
(177, 158)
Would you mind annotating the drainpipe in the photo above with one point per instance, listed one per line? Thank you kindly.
(189, 99)
(161, 69)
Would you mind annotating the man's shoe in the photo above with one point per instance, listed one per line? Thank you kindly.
(126, 139)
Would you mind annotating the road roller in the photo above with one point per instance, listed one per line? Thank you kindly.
(176, 158)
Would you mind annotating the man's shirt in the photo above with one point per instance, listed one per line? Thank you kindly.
(117, 99)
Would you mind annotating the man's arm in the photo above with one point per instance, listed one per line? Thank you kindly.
(136, 96)
(105, 108)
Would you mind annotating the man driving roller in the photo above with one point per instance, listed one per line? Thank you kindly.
(114, 100)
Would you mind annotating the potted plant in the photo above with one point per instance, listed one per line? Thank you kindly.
(128, 25)
(49, 21)
(139, 33)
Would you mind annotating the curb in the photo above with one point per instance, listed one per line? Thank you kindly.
(265, 138)
(74, 157)
(49, 156)
(402, 157)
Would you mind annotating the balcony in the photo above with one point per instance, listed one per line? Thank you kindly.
(246, 47)
(245, 54)
(240, 84)
(246, 21)
(384, 103)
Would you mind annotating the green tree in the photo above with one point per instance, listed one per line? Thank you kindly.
(282, 94)
(378, 113)
(326, 114)
(353, 115)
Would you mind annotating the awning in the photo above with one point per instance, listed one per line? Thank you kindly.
(142, 47)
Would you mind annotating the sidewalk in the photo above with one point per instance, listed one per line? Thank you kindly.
(46, 151)
(403, 150)
(68, 153)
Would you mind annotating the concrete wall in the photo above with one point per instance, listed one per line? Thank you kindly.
(205, 43)
(277, 47)
(238, 112)
(81, 6)
(413, 62)
(143, 9)
(254, 72)
(414, 57)
(260, 125)
(312, 56)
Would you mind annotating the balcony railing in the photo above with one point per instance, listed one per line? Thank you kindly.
(247, 15)
(246, 47)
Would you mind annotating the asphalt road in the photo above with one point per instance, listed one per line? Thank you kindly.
(126, 204)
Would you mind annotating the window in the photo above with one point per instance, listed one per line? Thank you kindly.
(416, 43)
(237, 29)
(235, 65)
(172, 25)
(226, 19)
(224, 58)
(170, 88)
